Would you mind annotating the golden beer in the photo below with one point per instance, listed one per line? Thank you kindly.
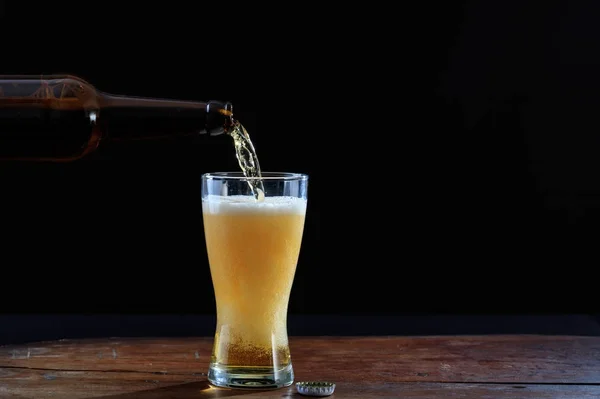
(253, 248)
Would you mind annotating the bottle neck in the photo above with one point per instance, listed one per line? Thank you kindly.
(106, 100)
(130, 118)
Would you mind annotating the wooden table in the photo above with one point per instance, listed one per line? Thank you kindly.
(481, 367)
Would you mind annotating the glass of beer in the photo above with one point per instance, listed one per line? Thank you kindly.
(253, 244)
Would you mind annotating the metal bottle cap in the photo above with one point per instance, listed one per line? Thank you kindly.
(315, 388)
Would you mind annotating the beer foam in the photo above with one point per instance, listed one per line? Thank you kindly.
(248, 204)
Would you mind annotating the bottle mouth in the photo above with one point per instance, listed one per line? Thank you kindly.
(265, 176)
(223, 108)
(219, 118)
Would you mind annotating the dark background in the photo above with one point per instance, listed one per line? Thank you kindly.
(452, 149)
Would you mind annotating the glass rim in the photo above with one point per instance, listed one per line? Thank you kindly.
(268, 175)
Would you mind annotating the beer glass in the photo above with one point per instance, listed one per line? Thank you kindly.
(253, 244)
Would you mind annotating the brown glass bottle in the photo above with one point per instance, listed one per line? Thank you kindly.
(63, 118)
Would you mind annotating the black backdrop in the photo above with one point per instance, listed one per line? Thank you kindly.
(451, 147)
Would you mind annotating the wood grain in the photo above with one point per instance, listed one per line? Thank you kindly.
(40, 384)
(362, 367)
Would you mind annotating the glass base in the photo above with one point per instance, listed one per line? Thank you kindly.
(250, 377)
